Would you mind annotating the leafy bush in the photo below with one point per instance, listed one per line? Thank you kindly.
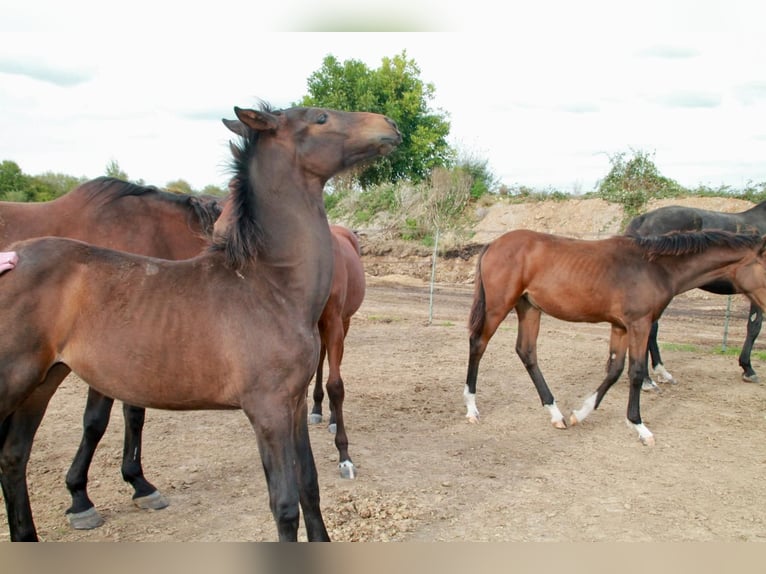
(632, 182)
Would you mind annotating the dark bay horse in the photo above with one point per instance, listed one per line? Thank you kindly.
(626, 281)
(232, 328)
(127, 217)
(346, 296)
(679, 218)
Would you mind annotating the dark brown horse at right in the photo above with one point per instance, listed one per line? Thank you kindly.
(680, 218)
(232, 328)
(626, 281)
(127, 217)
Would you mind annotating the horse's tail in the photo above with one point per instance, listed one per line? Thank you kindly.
(479, 307)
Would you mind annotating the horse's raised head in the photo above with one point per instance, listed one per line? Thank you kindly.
(324, 141)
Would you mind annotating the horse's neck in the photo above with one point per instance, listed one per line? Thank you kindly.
(692, 271)
(24, 220)
(295, 237)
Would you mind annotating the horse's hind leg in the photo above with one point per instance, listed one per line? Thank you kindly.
(17, 432)
(336, 393)
(486, 316)
(618, 347)
(82, 513)
(526, 349)
(145, 495)
(316, 410)
(661, 374)
(754, 321)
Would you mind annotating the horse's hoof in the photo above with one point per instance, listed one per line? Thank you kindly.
(573, 420)
(750, 378)
(649, 385)
(647, 440)
(559, 424)
(347, 469)
(85, 520)
(315, 419)
(332, 428)
(153, 501)
(472, 419)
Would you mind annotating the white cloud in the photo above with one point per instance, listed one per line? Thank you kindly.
(544, 90)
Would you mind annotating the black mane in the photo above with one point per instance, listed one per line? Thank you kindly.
(690, 242)
(243, 238)
(105, 189)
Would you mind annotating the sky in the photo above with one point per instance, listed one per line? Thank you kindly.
(546, 91)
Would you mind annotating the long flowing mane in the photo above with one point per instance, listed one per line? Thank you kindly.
(242, 239)
(686, 243)
(105, 190)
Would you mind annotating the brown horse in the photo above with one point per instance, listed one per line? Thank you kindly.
(346, 296)
(127, 217)
(232, 328)
(626, 281)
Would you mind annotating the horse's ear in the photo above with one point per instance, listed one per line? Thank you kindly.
(236, 126)
(257, 120)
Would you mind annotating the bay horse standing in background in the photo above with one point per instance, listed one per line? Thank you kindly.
(346, 296)
(251, 341)
(626, 281)
(679, 218)
(127, 217)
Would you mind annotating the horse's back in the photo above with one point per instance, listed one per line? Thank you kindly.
(111, 213)
(680, 218)
(349, 270)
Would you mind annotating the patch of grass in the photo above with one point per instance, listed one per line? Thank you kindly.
(684, 347)
(717, 350)
(383, 319)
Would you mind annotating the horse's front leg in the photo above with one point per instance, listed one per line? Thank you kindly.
(279, 419)
(17, 433)
(639, 333)
(526, 349)
(308, 481)
(618, 347)
(754, 321)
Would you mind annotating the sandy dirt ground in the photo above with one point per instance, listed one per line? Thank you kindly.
(425, 474)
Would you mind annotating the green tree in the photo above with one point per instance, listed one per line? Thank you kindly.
(113, 170)
(211, 189)
(58, 183)
(396, 90)
(179, 186)
(13, 183)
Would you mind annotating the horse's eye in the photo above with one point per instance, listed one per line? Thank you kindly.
(322, 119)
